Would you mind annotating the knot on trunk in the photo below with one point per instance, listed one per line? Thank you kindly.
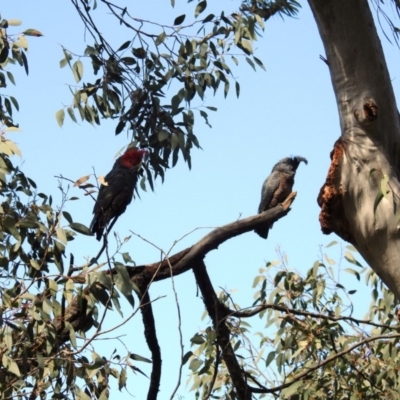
(368, 114)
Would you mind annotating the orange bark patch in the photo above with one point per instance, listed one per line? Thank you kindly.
(332, 217)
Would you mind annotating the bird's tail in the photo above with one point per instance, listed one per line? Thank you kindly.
(262, 231)
(97, 226)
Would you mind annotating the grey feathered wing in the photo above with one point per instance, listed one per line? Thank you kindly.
(270, 185)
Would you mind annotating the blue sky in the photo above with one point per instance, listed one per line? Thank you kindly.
(288, 110)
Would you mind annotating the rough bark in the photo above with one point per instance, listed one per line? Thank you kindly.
(368, 148)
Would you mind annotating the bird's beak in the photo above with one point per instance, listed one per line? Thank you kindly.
(300, 159)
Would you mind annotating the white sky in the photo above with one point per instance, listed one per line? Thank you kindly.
(287, 110)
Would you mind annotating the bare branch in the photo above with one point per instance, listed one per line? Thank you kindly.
(217, 313)
(256, 310)
(182, 261)
(152, 341)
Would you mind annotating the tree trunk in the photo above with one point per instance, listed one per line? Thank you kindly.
(367, 152)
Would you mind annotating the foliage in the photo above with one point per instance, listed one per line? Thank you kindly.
(310, 345)
(154, 84)
(45, 308)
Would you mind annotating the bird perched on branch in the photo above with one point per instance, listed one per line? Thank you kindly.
(277, 187)
(117, 191)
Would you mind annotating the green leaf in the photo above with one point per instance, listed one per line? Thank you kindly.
(32, 32)
(160, 38)
(11, 365)
(259, 63)
(180, 19)
(123, 282)
(136, 357)
(122, 379)
(4, 54)
(226, 88)
(120, 126)
(72, 335)
(124, 46)
(186, 357)
(104, 394)
(329, 260)
(128, 60)
(352, 272)
(63, 62)
(126, 256)
(69, 290)
(350, 258)
(278, 277)
(331, 243)
(197, 339)
(60, 115)
(81, 395)
(11, 78)
(209, 18)
(251, 63)
(270, 358)
(15, 102)
(53, 287)
(246, 46)
(195, 364)
(162, 135)
(14, 22)
(71, 114)
(174, 141)
(61, 236)
(291, 390)
(34, 264)
(80, 228)
(77, 70)
(139, 52)
(205, 116)
(200, 8)
(237, 86)
(7, 338)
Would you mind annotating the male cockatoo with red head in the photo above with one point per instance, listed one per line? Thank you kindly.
(117, 191)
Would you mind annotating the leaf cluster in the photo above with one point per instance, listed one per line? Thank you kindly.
(130, 82)
(46, 310)
(310, 345)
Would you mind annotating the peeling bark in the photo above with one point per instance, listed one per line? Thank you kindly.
(369, 138)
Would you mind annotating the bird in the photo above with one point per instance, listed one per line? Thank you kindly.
(277, 187)
(117, 191)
